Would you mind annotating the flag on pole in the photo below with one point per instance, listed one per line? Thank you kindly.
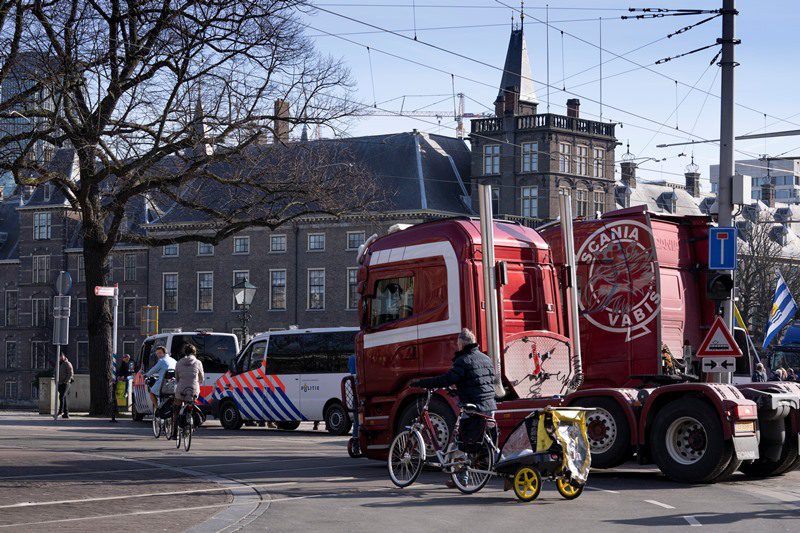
(783, 309)
(739, 320)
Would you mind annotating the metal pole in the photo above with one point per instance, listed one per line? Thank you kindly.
(114, 350)
(726, 163)
(58, 364)
(490, 285)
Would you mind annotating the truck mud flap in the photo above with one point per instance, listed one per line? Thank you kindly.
(746, 448)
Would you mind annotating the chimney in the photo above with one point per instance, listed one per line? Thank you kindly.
(573, 108)
(628, 172)
(768, 194)
(281, 127)
(693, 183)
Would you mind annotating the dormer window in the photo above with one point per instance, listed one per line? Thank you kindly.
(47, 192)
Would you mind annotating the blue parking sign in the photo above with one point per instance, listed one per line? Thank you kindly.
(722, 249)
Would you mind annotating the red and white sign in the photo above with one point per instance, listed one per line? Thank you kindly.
(105, 291)
(718, 342)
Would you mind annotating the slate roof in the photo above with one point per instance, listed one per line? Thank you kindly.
(656, 196)
(517, 69)
(9, 229)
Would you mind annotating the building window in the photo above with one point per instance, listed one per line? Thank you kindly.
(316, 242)
(129, 347)
(170, 250)
(495, 200)
(277, 243)
(599, 202)
(316, 288)
(564, 152)
(530, 157)
(12, 390)
(238, 277)
(39, 355)
(82, 356)
(355, 239)
(582, 202)
(11, 355)
(130, 267)
(582, 160)
(40, 311)
(81, 269)
(352, 288)
(241, 245)
(48, 189)
(277, 289)
(530, 202)
(42, 225)
(169, 299)
(203, 248)
(129, 312)
(83, 315)
(41, 268)
(598, 169)
(205, 291)
(12, 310)
(491, 159)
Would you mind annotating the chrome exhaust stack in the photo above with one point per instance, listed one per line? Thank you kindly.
(490, 286)
(565, 203)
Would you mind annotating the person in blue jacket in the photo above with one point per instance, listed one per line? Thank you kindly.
(165, 362)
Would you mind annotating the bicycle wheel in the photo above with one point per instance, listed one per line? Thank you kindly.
(188, 429)
(156, 426)
(406, 458)
(178, 435)
(476, 472)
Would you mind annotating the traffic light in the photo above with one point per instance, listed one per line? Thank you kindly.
(719, 287)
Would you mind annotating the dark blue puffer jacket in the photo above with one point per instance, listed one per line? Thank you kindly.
(472, 374)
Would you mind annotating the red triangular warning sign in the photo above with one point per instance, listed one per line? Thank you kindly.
(718, 342)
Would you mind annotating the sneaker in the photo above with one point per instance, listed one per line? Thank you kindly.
(65, 416)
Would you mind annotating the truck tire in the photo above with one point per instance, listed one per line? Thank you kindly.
(609, 432)
(686, 442)
(729, 470)
(442, 417)
(766, 468)
(229, 416)
(336, 420)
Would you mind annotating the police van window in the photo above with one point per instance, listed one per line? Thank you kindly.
(326, 352)
(257, 355)
(341, 346)
(216, 352)
(393, 300)
(284, 354)
(144, 360)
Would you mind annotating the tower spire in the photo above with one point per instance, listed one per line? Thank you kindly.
(517, 95)
(522, 14)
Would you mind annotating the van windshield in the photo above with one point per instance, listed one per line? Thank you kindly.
(216, 352)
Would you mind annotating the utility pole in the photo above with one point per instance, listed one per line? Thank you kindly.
(726, 136)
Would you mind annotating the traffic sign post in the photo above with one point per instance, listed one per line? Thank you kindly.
(722, 248)
(61, 311)
(111, 292)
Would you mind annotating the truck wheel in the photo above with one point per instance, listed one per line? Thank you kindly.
(766, 468)
(288, 426)
(608, 431)
(729, 470)
(229, 416)
(336, 420)
(442, 417)
(686, 442)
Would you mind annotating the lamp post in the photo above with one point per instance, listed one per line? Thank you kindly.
(243, 293)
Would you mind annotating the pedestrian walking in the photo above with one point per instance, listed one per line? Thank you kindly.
(760, 374)
(65, 378)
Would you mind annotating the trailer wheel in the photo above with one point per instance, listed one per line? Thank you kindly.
(687, 444)
(766, 468)
(442, 418)
(608, 431)
(136, 416)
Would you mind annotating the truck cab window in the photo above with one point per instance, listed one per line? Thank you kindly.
(393, 300)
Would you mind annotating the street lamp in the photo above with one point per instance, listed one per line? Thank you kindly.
(243, 293)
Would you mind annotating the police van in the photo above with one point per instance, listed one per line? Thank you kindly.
(287, 377)
(215, 350)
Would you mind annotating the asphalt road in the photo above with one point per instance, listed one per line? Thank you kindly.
(89, 475)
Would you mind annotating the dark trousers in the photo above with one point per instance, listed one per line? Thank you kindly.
(63, 391)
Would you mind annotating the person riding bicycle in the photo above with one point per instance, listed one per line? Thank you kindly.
(189, 374)
(164, 363)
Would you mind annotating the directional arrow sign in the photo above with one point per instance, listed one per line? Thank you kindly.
(718, 342)
(718, 364)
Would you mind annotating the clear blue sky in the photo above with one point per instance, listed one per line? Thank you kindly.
(765, 81)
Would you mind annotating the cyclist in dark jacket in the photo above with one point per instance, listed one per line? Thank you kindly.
(472, 374)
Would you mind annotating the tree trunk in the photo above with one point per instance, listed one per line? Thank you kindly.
(100, 323)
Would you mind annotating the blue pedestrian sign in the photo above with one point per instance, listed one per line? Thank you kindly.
(722, 249)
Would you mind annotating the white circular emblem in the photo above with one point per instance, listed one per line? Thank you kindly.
(617, 278)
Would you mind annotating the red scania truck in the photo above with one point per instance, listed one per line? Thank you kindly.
(641, 282)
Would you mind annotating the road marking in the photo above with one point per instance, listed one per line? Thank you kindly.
(145, 495)
(664, 505)
(340, 479)
(692, 521)
(604, 490)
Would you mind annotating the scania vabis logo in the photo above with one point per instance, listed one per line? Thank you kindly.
(617, 278)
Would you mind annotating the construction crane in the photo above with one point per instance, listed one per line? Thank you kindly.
(458, 114)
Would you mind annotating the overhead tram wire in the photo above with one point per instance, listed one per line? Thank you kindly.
(488, 65)
(465, 6)
(645, 67)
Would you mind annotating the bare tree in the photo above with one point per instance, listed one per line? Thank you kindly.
(762, 254)
(170, 102)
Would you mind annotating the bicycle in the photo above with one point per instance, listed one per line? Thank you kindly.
(162, 425)
(185, 422)
(469, 471)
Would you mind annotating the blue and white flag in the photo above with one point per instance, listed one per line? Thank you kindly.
(783, 310)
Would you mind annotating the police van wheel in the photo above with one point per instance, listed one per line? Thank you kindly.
(288, 426)
(229, 416)
(336, 420)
